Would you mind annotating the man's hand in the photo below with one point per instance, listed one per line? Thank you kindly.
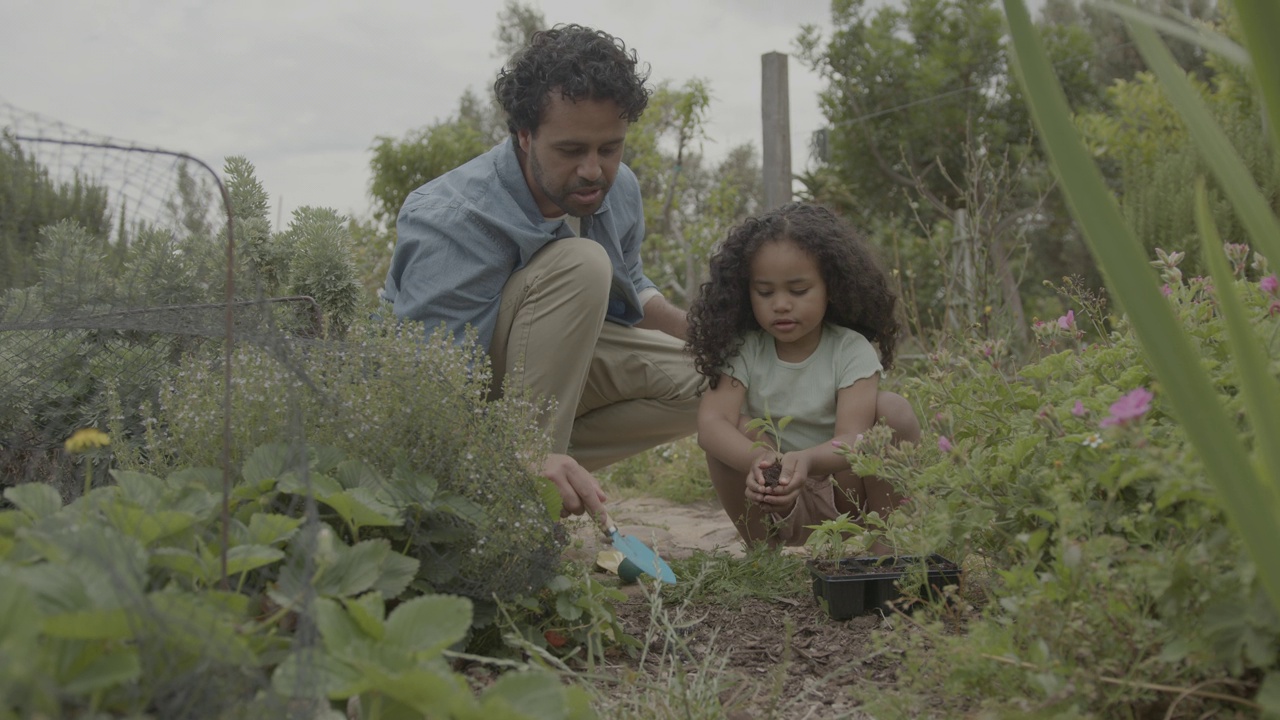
(579, 490)
(659, 314)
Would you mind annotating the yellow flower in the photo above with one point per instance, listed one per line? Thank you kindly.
(86, 439)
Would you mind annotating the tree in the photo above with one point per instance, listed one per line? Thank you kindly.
(401, 166)
(1144, 148)
(1116, 57)
(687, 207)
(906, 88)
(517, 23)
(925, 124)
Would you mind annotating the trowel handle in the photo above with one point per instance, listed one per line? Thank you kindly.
(606, 524)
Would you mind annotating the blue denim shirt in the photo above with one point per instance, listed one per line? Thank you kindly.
(462, 235)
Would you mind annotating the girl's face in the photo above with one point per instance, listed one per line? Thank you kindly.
(788, 298)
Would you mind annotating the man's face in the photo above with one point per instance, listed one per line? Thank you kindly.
(572, 158)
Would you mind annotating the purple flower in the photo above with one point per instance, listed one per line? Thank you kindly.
(1078, 410)
(1166, 290)
(1068, 321)
(1269, 284)
(1130, 406)
(944, 444)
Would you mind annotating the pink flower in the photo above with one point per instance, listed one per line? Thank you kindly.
(1269, 284)
(1068, 321)
(1130, 406)
(1078, 410)
(944, 444)
(1166, 290)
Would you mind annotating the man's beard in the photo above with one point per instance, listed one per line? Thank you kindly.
(562, 198)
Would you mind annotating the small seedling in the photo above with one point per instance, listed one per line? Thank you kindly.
(766, 427)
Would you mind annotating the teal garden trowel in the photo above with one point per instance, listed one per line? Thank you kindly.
(640, 556)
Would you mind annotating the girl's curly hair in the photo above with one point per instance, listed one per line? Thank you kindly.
(576, 61)
(858, 293)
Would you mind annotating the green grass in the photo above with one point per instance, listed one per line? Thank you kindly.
(721, 579)
(676, 471)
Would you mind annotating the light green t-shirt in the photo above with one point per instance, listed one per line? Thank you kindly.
(805, 390)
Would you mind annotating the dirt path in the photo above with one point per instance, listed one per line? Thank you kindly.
(674, 530)
(778, 657)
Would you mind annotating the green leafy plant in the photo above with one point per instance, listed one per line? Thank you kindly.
(115, 605)
(1093, 541)
(837, 538)
(569, 623)
(768, 436)
(1249, 487)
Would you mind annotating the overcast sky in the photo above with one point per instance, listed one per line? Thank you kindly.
(303, 87)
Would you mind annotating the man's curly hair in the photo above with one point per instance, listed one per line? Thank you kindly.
(858, 293)
(579, 63)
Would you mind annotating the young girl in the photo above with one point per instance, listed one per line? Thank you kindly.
(797, 320)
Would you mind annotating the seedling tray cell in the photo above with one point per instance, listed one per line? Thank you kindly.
(865, 584)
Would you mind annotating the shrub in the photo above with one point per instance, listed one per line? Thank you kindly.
(387, 395)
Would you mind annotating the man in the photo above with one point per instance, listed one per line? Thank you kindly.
(536, 245)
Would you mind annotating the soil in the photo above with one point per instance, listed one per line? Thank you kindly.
(772, 475)
(783, 657)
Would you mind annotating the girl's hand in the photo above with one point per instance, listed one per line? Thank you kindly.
(780, 498)
(795, 466)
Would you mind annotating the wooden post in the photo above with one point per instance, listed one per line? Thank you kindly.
(776, 117)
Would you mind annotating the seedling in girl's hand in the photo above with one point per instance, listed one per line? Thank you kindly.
(765, 426)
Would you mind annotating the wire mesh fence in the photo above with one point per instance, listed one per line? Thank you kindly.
(225, 479)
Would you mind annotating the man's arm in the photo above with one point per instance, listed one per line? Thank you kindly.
(662, 315)
(439, 274)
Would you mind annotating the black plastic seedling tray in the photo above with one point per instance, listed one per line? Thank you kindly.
(865, 584)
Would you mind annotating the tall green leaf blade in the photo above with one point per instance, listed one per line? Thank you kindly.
(1259, 20)
(1262, 395)
(1135, 286)
(1196, 35)
(1214, 147)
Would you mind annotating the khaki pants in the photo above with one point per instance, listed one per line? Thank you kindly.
(619, 390)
